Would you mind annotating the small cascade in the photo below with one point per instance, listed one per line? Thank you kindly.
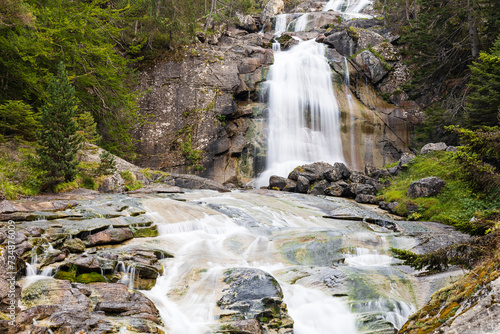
(304, 124)
(281, 24)
(128, 271)
(315, 312)
(365, 257)
(393, 311)
(276, 46)
(33, 272)
(301, 23)
(349, 8)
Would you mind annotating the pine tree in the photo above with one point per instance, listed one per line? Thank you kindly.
(484, 100)
(59, 138)
(88, 128)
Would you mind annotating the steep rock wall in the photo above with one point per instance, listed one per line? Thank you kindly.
(207, 112)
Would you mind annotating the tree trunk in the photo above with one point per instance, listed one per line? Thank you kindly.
(472, 32)
(158, 7)
(209, 18)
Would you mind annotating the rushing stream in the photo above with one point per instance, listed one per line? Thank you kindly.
(312, 257)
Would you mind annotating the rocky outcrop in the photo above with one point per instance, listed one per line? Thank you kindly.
(431, 147)
(272, 8)
(321, 178)
(429, 186)
(65, 307)
(252, 294)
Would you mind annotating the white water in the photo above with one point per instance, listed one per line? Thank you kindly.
(128, 272)
(314, 312)
(304, 125)
(349, 8)
(212, 232)
(281, 24)
(33, 273)
(301, 23)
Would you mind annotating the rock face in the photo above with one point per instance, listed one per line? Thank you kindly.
(65, 307)
(429, 186)
(253, 294)
(207, 112)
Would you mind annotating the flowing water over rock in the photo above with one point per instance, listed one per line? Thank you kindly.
(350, 9)
(336, 276)
(304, 117)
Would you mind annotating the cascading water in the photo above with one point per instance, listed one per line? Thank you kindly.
(210, 233)
(301, 23)
(304, 125)
(281, 24)
(349, 8)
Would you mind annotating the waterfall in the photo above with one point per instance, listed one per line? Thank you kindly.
(280, 25)
(349, 8)
(304, 125)
(301, 23)
(128, 271)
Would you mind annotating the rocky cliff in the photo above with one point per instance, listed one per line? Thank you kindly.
(207, 108)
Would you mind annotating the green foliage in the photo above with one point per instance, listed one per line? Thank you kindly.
(15, 12)
(483, 106)
(107, 164)
(131, 183)
(88, 128)
(59, 138)
(18, 172)
(457, 203)
(466, 254)
(193, 156)
(18, 119)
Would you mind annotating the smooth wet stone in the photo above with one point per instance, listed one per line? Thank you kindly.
(110, 236)
(75, 245)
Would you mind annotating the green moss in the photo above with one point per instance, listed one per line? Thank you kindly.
(147, 232)
(90, 278)
(65, 275)
(456, 204)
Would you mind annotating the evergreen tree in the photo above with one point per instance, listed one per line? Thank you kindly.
(88, 128)
(484, 100)
(59, 138)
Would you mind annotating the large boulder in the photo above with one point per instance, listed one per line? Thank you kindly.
(110, 236)
(272, 8)
(246, 22)
(313, 172)
(429, 186)
(374, 67)
(254, 294)
(433, 147)
(281, 183)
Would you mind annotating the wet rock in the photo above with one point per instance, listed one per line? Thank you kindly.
(433, 147)
(86, 263)
(110, 236)
(254, 294)
(342, 42)
(429, 186)
(249, 326)
(74, 245)
(374, 68)
(302, 184)
(115, 300)
(34, 231)
(281, 183)
(157, 190)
